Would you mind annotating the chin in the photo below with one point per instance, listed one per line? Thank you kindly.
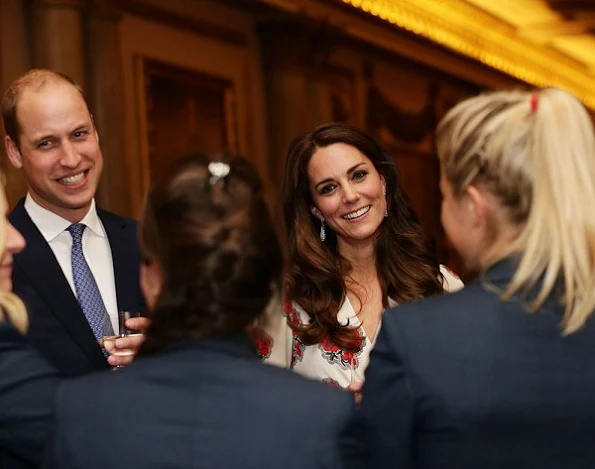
(78, 202)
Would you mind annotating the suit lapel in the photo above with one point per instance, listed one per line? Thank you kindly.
(121, 233)
(38, 262)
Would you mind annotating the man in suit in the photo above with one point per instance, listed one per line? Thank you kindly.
(80, 266)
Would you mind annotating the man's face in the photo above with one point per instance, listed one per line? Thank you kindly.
(59, 149)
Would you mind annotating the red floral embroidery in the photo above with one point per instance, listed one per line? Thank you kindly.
(335, 355)
(263, 342)
(331, 382)
(297, 346)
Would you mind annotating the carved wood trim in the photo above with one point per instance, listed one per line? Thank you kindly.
(179, 21)
(143, 124)
(60, 3)
(105, 9)
(298, 41)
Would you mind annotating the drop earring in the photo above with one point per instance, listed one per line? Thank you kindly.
(322, 231)
(386, 201)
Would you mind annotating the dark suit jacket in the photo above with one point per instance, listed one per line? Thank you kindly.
(207, 404)
(27, 389)
(470, 381)
(58, 327)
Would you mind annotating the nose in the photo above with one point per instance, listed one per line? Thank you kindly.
(350, 195)
(70, 156)
(14, 240)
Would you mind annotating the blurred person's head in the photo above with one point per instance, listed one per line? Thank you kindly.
(12, 308)
(211, 257)
(51, 136)
(341, 193)
(518, 179)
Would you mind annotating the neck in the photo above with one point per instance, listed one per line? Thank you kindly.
(73, 215)
(503, 246)
(361, 256)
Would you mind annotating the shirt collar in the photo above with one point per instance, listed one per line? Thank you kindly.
(51, 225)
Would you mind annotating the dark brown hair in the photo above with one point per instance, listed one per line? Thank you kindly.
(405, 258)
(216, 246)
(34, 79)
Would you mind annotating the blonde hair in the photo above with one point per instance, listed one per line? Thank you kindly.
(535, 152)
(12, 309)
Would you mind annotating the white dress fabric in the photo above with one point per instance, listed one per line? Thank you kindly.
(279, 345)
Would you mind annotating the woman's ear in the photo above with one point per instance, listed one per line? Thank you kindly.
(317, 213)
(151, 281)
(477, 205)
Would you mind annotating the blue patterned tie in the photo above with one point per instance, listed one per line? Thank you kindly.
(86, 287)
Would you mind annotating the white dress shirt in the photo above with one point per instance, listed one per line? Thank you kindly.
(96, 249)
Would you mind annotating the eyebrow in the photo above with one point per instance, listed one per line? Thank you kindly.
(349, 171)
(38, 140)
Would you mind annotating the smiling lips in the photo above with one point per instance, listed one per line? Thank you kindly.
(358, 213)
(72, 180)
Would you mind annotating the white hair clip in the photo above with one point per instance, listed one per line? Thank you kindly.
(218, 171)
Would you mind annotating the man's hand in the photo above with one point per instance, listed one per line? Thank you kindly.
(122, 350)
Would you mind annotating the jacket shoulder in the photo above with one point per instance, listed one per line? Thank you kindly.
(112, 217)
(441, 313)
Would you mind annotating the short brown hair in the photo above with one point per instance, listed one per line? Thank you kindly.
(34, 79)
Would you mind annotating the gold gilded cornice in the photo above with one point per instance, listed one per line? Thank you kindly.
(467, 30)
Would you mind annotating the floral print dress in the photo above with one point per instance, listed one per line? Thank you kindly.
(278, 343)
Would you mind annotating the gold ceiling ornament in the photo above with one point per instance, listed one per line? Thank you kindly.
(470, 31)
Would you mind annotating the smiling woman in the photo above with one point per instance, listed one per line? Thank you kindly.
(355, 249)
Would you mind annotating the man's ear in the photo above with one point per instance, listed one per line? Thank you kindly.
(317, 213)
(94, 127)
(13, 152)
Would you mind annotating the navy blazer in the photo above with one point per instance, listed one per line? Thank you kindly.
(58, 327)
(27, 389)
(199, 404)
(467, 380)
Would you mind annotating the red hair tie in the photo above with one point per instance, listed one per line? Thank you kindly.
(534, 101)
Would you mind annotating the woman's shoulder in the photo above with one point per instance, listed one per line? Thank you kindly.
(295, 313)
(451, 282)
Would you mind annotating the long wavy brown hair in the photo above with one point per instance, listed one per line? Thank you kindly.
(405, 257)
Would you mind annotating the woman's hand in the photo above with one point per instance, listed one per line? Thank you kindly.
(356, 389)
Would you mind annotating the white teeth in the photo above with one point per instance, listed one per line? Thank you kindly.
(356, 214)
(71, 180)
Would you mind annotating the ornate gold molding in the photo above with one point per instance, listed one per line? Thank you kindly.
(467, 30)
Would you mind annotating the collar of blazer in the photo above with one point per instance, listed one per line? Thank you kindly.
(38, 264)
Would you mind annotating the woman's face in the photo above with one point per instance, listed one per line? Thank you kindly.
(14, 243)
(458, 221)
(150, 282)
(348, 192)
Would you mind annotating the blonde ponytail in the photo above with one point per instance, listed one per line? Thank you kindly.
(536, 153)
(558, 239)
